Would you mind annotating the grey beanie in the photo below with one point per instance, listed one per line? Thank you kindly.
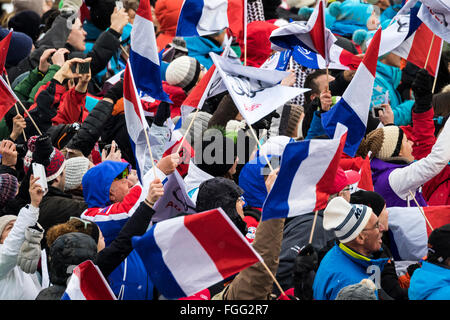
(364, 290)
(4, 220)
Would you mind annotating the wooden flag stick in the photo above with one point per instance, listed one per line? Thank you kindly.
(273, 278)
(421, 210)
(313, 226)
(151, 154)
(187, 130)
(124, 52)
(259, 144)
(429, 51)
(434, 82)
(34, 123)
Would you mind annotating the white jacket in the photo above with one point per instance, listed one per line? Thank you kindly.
(14, 283)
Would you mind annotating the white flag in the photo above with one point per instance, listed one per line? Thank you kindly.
(436, 15)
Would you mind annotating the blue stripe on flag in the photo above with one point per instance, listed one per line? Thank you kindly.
(306, 58)
(65, 296)
(138, 168)
(147, 77)
(189, 17)
(283, 61)
(342, 112)
(152, 258)
(289, 42)
(276, 204)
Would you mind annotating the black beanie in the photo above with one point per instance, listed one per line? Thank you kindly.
(27, 22)
(369, 198)
(439, 244)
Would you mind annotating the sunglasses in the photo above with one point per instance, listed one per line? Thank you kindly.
(85, 222)
(123, 175)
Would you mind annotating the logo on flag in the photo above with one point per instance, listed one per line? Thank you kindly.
(185, 255)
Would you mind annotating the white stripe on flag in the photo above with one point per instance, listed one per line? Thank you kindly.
(73, 289)
(143, 39)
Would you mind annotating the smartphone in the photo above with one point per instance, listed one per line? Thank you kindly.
(83, 68)
(376, 111)
(39, 171)
(119, 5)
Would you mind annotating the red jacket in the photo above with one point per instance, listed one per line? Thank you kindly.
(436, 191)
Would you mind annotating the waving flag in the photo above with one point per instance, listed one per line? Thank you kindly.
(436, 15)
(144, 57)
(184, 255)
(4, 47)
(7, 98)
(306, 169)
(278, 61)
(202, 17)
(88, 283)
(312, 35)
(255, 91)
(409, 230)
(352, 110)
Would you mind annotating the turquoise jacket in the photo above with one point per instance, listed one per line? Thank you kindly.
(200, 47)
(342, 267)
(431, 282)
(387, 79)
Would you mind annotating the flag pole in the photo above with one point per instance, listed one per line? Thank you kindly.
(259, 145)
(313, 226)
(150, 150)
(245, 32)
(273, 278)
(421, 210)
(187, 130)
(429, 51)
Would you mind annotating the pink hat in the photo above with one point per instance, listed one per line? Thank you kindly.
(343, 179)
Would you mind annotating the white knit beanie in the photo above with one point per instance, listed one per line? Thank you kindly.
(347, 220)
(4, 220)
(183, 72)
(75, 170)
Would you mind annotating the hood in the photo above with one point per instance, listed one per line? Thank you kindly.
(258, 44)
(427, 281)
(390, 73)
(201, 46)
(97, 182)
(251, 180)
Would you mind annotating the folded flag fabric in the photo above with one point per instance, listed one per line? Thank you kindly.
(409, 230)
(352, 110)
(87, 283)
(187, 254)
(255, 91)
(4, 47)
(202, 17)
(306, 169)
(278, 61)
(436, 15)
(7, 98)
(144, 56)
(311, 35)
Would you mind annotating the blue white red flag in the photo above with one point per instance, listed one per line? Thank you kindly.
(187, 254)
(87, 283)
(306, 169)
(202, 17)
(340, 58)
(144, 57)
(352, 110)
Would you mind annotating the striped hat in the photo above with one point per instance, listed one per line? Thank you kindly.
(347, 220)
(75, 170)
(183, 72)
(384, 143)
(8, 188)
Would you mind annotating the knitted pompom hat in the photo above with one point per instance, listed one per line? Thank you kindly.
(183, 72)
(75, 170)
(8, 188)
(384, 143)
(51, 158)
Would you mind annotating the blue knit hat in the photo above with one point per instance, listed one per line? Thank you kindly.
(19, 47)
(350, 15)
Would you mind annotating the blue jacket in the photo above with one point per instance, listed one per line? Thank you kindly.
(130, 280)
(342, 267)
(252, 182)
(315, 128)
(431, 282)
(200, 47)
(387, 79)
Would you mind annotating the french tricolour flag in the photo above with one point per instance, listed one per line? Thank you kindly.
(88, 283)
(144, 55)
(312, 35)
(352, 110)
(185, 255)
(202, 17)
(307, 168)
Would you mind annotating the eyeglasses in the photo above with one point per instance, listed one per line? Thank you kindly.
(376, 226)
(123, 175)
(346, 189)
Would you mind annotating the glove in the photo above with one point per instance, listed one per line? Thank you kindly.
(413, 267)
(422, 87)
(266, 122)
(30, 252)
(116, 92)
(162, 114)
(71, 5)
(305, 266)
(43, 150)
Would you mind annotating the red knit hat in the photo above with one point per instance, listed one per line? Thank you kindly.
(51, 158)
(56, 166)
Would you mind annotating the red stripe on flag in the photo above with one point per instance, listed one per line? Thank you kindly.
(437, 216)
(4, 47)
(350, 60)
(145, 10)
(91, 284)
(420, 48)
(7, 98)
(318, 32)
(327, 181)
(371, 57)
(230, 252)
(129, 92)
(193, 99)
(235, 12)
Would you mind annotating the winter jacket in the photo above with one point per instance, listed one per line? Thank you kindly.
(167, 13)
(57, 207)
(254, 282)
(296, 235)
(342, 267)
(394, 181)
(387, 79)
(23, 88)
(129, 280)
(430, 282)
(14, 283)
(200, 47)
